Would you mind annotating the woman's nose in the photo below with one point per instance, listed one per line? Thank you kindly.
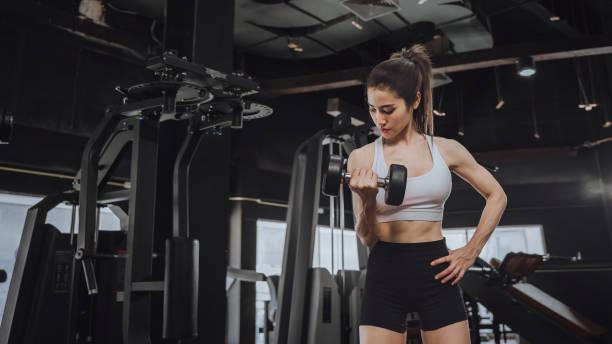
(378, 118)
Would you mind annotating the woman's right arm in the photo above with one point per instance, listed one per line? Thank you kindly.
(364, 188)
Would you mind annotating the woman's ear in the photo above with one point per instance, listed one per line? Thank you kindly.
(417, 100)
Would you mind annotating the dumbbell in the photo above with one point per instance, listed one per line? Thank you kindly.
(394, 184)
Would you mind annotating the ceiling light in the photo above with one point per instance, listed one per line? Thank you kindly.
(439, 113)
(588, 107)
(356, 24)
(525, 66)
(460, 133)
(436, 36)
(607, 124)
(500, 97)
(292, 45)
(554, 18)
(536, 135)
(422, 2)
(298, 49)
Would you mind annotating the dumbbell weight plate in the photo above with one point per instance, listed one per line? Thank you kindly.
(396, 188)
(332, 176)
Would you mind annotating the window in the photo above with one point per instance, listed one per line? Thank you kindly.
(505, 239)
(270, 248)
(13, 210)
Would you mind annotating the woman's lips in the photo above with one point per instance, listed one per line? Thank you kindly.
(384, 131)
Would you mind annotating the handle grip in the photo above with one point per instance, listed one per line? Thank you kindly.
(382, 182)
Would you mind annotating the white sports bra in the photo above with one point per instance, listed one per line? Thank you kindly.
(425, 194)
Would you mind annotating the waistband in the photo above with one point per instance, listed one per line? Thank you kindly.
(413, 246)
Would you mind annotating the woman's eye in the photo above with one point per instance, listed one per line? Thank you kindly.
(387, 112)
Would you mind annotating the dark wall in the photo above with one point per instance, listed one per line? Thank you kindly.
(57, 91)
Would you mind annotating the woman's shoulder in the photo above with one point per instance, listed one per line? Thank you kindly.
(451, 150)
(362, 157)
(443, 142)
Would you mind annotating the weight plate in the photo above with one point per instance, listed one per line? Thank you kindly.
(255, 111)
(332, 176)
(396, 188)
(186, 93)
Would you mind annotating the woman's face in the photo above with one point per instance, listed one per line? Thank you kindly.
(389, 112)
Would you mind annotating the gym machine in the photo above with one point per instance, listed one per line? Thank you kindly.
(532, 313)
(72, 287)
(298, 319)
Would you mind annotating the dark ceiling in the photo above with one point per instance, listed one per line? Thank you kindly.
(61, 68)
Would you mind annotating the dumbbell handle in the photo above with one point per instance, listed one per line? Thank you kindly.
(382, 182)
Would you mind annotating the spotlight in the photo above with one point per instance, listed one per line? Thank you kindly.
(554, 18)
(295, 47)
(525, 66)
(500, 104)
(536, 135)
(439, 113)
(460, 133)
(607, 124)
(588, 106)
(357, 25)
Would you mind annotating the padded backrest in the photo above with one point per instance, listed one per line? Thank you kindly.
(518, 265)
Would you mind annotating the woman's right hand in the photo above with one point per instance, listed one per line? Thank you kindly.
(364, 182)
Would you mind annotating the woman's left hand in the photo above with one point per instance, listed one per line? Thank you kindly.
(459, 261)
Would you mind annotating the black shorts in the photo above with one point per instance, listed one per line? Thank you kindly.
(400, 280)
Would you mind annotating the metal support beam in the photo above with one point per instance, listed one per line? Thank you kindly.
(202, 30)
(486, 58)
(139, 264)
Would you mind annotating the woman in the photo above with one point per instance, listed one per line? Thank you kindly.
(409, 267)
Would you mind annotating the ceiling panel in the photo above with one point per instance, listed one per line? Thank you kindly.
(345, 35)
(324, 9)
(391, 21)
(278, 15)
(278, 49)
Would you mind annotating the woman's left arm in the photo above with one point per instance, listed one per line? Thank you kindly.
(462, 163)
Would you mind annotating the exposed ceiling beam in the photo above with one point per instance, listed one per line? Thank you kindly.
(486, 58)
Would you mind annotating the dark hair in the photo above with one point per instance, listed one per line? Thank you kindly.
(406, 72)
